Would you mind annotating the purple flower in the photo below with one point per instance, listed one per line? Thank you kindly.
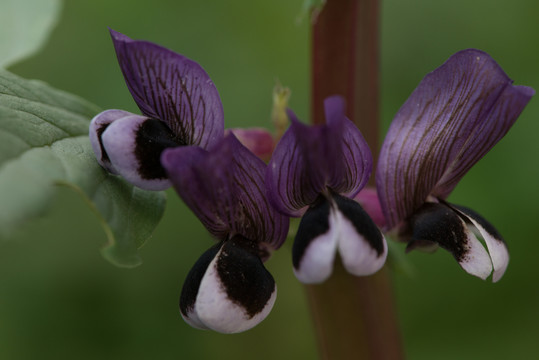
(315, 171)
(180, 106)
(452, 119)
(228, 289)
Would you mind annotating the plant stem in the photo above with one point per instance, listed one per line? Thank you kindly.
(354, 316)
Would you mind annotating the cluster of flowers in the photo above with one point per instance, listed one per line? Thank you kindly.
(453, 118)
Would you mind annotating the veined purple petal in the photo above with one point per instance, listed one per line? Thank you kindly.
(496, 124)
(354, 150)
(225, 188)
(452, 119)
(309, 160)
(172, 88)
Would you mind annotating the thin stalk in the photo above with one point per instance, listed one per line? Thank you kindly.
(354, 317)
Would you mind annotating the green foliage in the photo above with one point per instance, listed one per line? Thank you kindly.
(24, 27)
(44, 143)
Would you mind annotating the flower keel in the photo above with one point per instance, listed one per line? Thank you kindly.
(228, 290)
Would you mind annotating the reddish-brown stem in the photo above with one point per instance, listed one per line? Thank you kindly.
(354, 317)
(345, 62)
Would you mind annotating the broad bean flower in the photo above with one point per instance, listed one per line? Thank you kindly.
(228, 289)
(180, 106)
(315, 171)
(451, 120)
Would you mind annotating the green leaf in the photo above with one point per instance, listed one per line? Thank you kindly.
(44, 143)
(24, 27)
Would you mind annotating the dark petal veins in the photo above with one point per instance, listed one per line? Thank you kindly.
(310, 159)
(191, 286)
(354, 150)
(292, 183)
(437, 222)
(225, 189)
(496, 124)
(454, 116)
(228, 290)
(134, 145)
(172, 88)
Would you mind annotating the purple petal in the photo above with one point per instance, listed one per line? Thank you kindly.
(309, 160)
(225, 188)
(496, 124)
(172, 88)
(455, 115)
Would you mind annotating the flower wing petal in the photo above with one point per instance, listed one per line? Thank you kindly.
(315, 244)
(291, 180)
(134, 145)
(230, 293)
(496, 246)
(356, 156)
(454, 116)
(225, 188)
(438, 223)
(98, 125)
(170, 87)
(362, 246)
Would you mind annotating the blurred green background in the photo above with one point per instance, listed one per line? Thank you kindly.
(59, 299)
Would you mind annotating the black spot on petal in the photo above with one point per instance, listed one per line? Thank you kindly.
(362, 222)
(245, 279)
(153, 136)
(192, 282)
(438, 223)
(314, 223)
